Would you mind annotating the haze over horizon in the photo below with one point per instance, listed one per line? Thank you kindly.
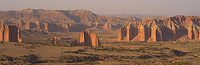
(110, 7)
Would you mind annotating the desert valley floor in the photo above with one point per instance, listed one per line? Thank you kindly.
(111, 52)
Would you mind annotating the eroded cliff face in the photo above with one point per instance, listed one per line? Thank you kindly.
(55, 27)
(10, 33)
(112, 26)
(87, 38)
(169, 29)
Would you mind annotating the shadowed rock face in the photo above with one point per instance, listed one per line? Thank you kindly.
(169, 29)
(53, 40)
(87, 38)
(10, 33)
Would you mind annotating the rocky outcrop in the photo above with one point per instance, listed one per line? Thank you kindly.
(169, 29)
(10, 33)
(87, 38)
(53, 40)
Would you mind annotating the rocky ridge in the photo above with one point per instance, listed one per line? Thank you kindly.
(63, 20)
(169, 29)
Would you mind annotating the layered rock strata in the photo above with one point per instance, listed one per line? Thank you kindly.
(87, 38)
(10, 33)
(169, 29)
(55, 27)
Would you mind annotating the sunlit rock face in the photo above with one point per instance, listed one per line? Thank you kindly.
(10, 33)
(87, 38)
(169, 29)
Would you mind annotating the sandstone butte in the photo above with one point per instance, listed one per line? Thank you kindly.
(10, 33)
(53, 40)
(169, 29)
(87, 38)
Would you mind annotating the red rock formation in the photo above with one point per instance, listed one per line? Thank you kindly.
(122, 35)
(10, 33)
(87, 38)
(49, 27)
(53, 40)
(62, 20)
(169, 29)
(52, 27)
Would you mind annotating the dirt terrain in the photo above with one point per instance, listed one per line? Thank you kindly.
(110, 53)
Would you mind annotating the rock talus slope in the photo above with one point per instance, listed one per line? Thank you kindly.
(169, 29)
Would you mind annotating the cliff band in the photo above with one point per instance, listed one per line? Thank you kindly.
(169, 29)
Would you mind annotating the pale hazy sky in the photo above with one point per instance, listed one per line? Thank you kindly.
(146, 7)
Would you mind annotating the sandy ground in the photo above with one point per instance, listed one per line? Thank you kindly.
(45, 52)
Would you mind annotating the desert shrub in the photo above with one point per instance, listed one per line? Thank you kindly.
(73, 59)
(181, 63)
(144, 56)
(85, 47)
(3, 55)
(10, 59)
(78, 51)
(178, 53)
(32, 59)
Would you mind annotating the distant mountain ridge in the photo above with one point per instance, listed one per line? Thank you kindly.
(60, 20)
(143, 17)
(130, 15)
(61, 16)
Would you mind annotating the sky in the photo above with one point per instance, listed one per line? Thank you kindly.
(110, 7)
